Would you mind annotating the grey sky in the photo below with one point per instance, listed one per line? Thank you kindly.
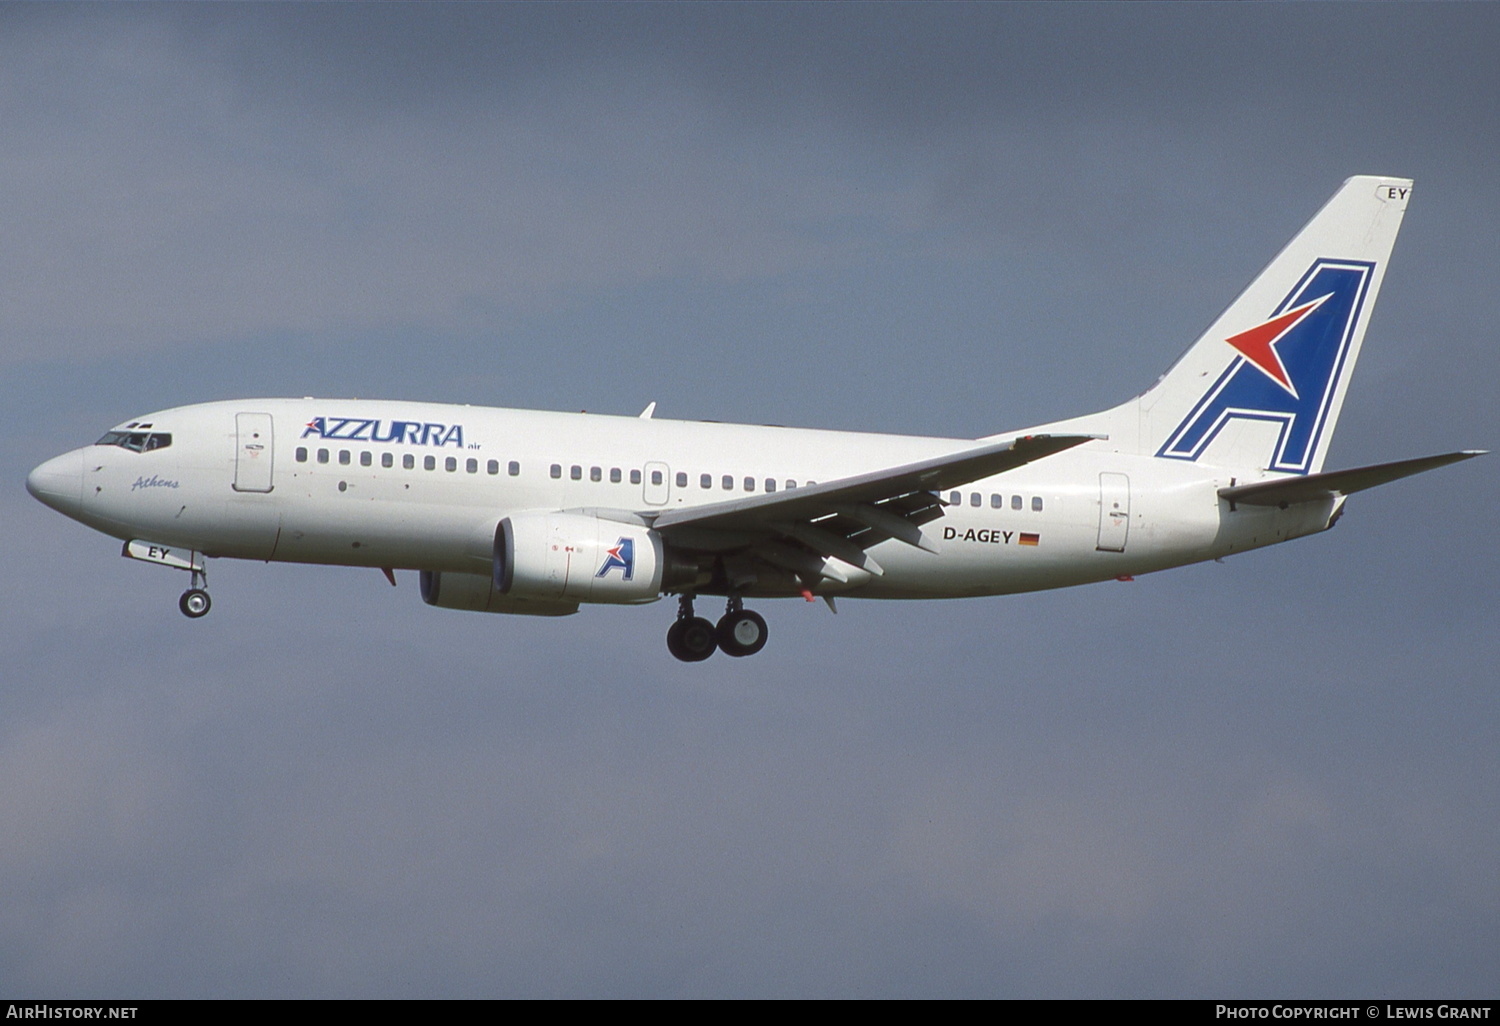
(1275, 776)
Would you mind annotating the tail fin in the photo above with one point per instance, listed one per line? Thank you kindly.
(1262, 388)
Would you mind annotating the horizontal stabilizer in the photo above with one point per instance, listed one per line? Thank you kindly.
(1312, 487)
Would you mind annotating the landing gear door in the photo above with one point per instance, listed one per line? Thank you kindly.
(1114, 512)
(657, 484)
(253, 452)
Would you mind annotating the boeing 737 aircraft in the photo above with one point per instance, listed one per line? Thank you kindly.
(517, 511)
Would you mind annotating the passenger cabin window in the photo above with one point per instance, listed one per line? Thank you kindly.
(471, 466)
(322, 455)
(656, 477)
(343, 457)
(1015, 502)
(136, 441)
(705, 480)
(749, 484)
(408, 461)
(635, 477)
(596, 474)
(515, 468)
(387, 460)
(556, 470)
(366, 458)
(614, 475)
(492, 467)
(1036, 504)
(728, 482)
(955, 499)
(770, 484)
(301, 454)
(450, 464)
(997, 502)
(681, 479)
(974, 499)
(429, 462)
(575, 472)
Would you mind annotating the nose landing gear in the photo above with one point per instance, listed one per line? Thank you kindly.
(195, 601)
(693, 639)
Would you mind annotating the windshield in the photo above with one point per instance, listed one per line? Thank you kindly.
(136, 441)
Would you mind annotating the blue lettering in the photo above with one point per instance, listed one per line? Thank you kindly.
(152, 482)
(407, 432)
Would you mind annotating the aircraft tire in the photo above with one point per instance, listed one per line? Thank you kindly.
(194, 603)
(741, 633)
(692, 639)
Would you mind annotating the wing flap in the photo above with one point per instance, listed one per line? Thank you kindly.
(814, 530)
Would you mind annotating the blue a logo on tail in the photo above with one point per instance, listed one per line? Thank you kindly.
(1287, 369)
(620, 556)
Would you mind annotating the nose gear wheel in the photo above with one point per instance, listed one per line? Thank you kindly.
(195, 601)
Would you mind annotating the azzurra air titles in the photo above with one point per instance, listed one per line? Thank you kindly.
(368, 429)
(534, 513)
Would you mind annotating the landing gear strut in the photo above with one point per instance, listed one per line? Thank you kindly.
(739, 632)
(195, 601)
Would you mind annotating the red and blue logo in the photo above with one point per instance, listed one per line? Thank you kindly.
(620, 556)
(1287, 370)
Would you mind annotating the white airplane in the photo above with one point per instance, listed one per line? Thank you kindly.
(518, 511)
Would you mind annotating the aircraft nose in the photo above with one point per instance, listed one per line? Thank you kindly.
(59, 482)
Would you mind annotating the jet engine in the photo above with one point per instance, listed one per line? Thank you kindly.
(577, 557)
(476, 593)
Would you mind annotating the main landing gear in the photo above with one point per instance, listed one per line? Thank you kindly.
(195, 601)
(739, 632)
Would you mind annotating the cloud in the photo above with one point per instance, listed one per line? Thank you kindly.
(1274, 775)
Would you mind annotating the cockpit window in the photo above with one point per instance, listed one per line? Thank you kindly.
(136, 441)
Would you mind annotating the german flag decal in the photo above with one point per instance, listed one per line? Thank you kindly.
(1029, 539)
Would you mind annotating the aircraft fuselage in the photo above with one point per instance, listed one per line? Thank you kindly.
(422, 487)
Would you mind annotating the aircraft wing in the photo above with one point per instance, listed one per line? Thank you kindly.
(1312, 487)
(798, 529)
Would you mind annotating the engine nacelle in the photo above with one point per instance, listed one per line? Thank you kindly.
(476, 592)
(577, 557)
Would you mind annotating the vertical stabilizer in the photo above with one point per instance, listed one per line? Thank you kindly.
(1263, 386)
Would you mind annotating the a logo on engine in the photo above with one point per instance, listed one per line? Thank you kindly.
(620, 556)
